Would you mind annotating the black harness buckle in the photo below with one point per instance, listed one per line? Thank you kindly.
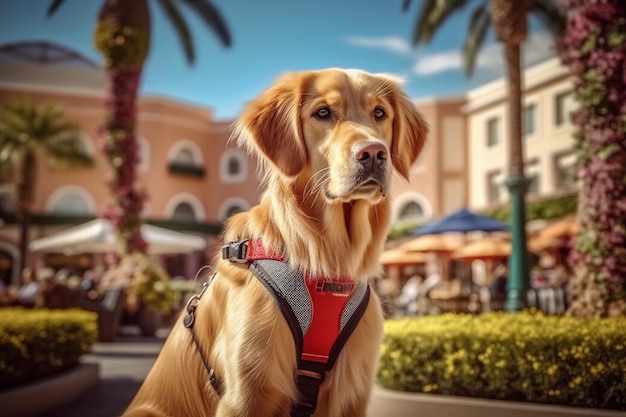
(236, 251)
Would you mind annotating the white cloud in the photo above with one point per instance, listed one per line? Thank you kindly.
(438, 62)
(490, 60)
(389, 43)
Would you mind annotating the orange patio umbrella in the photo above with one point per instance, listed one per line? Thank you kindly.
(439, 243)
(561, 229)
(540, 243)
(489, 247)
(398, 256)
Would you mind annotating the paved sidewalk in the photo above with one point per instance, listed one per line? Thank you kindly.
(123, 366)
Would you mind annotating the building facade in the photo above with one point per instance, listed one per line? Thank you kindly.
(193, 175)
(438, 180)
(547, 134)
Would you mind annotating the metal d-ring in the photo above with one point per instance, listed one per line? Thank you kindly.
(191, 306)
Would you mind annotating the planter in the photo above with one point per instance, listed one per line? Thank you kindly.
(149, 322)
(387, 403)
(50, 393)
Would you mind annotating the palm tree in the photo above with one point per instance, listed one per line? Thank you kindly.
(25, 130)
(509, 18)
(122, 36)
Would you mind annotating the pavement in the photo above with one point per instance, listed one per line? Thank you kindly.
(124, 365)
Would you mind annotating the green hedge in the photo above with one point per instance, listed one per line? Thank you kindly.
(38, 343)
(524, 356)
(546, 209)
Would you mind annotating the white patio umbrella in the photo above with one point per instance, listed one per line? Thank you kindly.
(99, 236)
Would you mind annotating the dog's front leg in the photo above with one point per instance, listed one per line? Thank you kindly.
(259, 357)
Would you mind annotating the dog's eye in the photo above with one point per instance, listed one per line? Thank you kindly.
(323, 113)
(379, 113)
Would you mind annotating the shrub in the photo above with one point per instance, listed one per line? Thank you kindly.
(38, 343)
(524, 356)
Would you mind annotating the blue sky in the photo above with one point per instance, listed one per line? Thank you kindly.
(274, 36)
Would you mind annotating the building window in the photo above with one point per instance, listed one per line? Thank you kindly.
(529, 122)
(565, 170)
(563, 106)
(494, 187)
(184, 212)
(492, 132)
(71, 201)
(184, 163)
(532, 173)
(232, 206)
(411, 211)
(233, 210)
(233, 166)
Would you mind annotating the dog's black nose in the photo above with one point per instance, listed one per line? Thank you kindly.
(370, 153)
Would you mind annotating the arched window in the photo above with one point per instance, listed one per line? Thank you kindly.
(184, 212)
(232, 206)
(71, 200)
(185, 158)
(184, 207)
(412, 211)
(233, 210)
(233, 166)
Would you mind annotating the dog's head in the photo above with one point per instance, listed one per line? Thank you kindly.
(337, 133)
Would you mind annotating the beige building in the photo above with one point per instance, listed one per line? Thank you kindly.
(548, 141)
(193, 176)
(438, 180)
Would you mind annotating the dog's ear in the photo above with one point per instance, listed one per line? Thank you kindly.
(271, 125)
(409, 135)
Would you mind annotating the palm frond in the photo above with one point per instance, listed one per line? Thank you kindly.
(405, 5)
(432, 14)
(68, 152)
(550, 15)
(212, 17)
(181, 28)
(53, 7)
(25, 126)
(476, 33)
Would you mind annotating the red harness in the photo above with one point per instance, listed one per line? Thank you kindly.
(321, 313)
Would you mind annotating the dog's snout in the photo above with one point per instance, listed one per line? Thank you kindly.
(370, 152)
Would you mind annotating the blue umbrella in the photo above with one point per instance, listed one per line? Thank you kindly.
(462, 221)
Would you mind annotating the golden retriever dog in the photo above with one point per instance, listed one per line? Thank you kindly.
(328, 142)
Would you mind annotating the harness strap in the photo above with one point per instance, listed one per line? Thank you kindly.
(342, 303)
(188, 322)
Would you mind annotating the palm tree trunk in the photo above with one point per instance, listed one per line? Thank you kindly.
(517, 183)
(25, 193)
(516, 145)
(122, 150)
(123, 37)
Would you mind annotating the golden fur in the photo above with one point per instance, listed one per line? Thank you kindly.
(309, 130)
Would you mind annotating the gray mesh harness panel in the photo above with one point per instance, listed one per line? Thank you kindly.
(353, 304)
(291, 285)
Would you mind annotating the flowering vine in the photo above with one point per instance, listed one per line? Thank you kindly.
(594, 48)
(124, 48)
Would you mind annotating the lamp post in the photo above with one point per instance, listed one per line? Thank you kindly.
(517, 282)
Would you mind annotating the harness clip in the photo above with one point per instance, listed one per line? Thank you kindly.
(236, 251)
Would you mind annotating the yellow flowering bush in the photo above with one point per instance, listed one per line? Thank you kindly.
(525, 356)
(146, 284)
(38, 343)
(150, 284)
